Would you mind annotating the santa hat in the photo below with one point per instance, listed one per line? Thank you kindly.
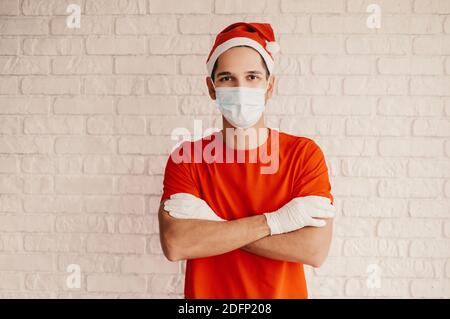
(259, 36)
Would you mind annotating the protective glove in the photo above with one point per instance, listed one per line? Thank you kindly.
(300, 212)
(188, 206)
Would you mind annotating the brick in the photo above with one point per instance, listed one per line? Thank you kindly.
(140, 184)
(247, 7)
(430, 248)
(54, 125)
(9, 46)
(8, 85)
(83, 185)
(10, 7)
(115, 7)
(168, 284)
(309, 85)
(24, 65)
(174, 6)
(431, 45)
(83, 105)
(410, 106)
(407, 228)
(26, 223)
(378, 126)
(373, 208)
(431, 6)
(91, 25)
(312, 6)
(381, 85)
(148, 105)
(114, 165)
(9, 125)
(26, 262)
(80, 224)
(149, 264)
(411, 24)
(48, 7)
(173, 44)
(425, 288)
(115, 283)
(296, 44)
(342, 65)
(146, 25)
(23, 26)
(51, 85)
(25, 145)
(112, 85)
(431, 127)
(38, 184)
(82, 65)
(53, 243)
(312, 126)
(151, 145)
(410, 65)
(374, 167)
(388, 6)
(355, 227)
(11, 242)
(65, 46)
(410, 147)
(115, 46)
(355, 24)
(342, 105)
(119, 244)
(429, 208)
(153, 64)
(369, 247)
(392, 45)
(137, 225)
(421, 188)
(126, 204)
(89, 262)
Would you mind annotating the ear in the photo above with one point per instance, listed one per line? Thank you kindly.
(271, 86)
(211, 91)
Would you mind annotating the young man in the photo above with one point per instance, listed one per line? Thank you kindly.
(244, 233)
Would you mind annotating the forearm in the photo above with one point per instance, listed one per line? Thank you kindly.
(309, 245)
(194, 238)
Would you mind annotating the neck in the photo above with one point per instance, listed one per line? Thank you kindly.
(246, 139)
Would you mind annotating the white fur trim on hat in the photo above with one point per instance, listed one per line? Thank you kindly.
(235, 42)
(272, 47)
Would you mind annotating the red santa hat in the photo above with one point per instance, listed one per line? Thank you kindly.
(259, 36)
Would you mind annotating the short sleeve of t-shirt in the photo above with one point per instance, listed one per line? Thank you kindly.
(312, 178)
(178, 179)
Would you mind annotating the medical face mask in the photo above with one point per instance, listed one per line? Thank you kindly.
(241, 106)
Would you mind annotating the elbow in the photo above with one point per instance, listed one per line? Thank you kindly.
(317, 259)
(170, 249)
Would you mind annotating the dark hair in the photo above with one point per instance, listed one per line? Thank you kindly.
(262, 59)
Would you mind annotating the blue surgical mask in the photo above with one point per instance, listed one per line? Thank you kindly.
(241, 106)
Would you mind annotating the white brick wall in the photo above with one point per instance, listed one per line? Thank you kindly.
(86, 116)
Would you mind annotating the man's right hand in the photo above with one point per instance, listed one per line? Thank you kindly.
(300, 212)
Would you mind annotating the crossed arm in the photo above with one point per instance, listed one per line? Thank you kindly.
(195, 238)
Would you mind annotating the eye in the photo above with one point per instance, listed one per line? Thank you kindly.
(225, 78)
(253, 77)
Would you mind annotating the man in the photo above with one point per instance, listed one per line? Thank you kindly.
(246, 234)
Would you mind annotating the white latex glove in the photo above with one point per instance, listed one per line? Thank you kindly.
(188, 206)
(300, 212)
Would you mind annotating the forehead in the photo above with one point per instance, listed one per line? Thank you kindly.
(240, 59)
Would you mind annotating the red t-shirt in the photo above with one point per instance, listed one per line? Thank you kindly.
(240, 189)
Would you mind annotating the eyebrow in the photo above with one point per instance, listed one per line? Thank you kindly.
(247, 72)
